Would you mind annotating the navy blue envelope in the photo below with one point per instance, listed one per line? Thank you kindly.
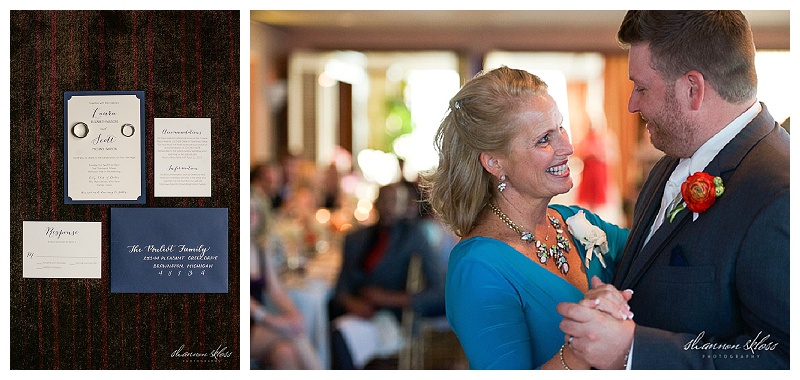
(169, 250)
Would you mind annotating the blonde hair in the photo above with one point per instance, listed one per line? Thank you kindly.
(483, 117)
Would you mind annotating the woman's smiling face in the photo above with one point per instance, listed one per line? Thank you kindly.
(536, 165)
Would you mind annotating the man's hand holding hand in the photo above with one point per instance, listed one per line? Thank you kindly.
(602, 331)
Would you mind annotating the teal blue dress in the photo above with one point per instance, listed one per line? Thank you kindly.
(502, 305)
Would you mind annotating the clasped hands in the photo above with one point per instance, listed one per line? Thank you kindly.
(599, 328)
(371, 298)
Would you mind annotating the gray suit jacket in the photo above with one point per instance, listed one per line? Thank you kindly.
(714, 293)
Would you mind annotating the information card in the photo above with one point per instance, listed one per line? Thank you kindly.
(182, 157)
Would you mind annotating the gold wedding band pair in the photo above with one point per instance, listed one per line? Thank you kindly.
(81, 130)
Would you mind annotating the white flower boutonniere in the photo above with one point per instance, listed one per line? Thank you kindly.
(591, 236)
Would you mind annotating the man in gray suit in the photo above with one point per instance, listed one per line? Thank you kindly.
(711, 280)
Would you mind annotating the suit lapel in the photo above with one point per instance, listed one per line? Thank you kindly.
(732, 154)
(637, 258)
(644, 220)
(656, 246)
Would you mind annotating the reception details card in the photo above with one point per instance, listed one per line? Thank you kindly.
(169, 250)
(182, 166)
(61, 249)
(104, 147)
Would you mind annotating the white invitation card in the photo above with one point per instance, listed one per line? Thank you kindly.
(104, 147)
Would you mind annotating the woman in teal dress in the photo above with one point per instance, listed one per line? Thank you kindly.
(503, 155)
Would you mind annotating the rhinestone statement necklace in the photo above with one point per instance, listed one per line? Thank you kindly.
(556, 251)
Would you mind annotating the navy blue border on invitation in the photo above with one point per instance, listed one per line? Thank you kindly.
(143, 126)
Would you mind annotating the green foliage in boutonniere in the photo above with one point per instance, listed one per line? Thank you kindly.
(592, 238)
(699, 192)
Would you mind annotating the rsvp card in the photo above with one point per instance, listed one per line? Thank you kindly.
(104, 147)
(61, 249)
(182, 163)
(169, 250)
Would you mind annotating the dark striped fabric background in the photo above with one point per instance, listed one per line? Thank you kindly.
(187, 63)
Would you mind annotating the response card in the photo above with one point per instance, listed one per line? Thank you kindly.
(54, 249)
(169, 250)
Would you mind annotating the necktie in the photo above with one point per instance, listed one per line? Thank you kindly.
(672, 194)
(376, 254)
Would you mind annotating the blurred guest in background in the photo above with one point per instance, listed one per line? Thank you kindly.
(593, 188)
(277, 334)
(441, 239)
(297, 227)
(290, 167)
(503, 156)
(265, 183)
(370, 293)
(332, 190)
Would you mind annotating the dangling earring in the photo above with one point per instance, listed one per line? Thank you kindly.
(502, 185)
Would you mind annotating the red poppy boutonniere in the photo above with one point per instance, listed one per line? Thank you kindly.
(698, 193)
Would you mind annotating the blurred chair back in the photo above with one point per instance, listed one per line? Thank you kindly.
(426, 335)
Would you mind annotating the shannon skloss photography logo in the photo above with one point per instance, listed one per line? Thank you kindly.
(221, 352)
(751, 349)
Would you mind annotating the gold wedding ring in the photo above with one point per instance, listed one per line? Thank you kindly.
(80, 130)
(128, 127)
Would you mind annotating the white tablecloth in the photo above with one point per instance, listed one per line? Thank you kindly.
(310, 293)
(311, 298)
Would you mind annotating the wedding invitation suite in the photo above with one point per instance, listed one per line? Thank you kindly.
(104, 147)
(169, 250)
(61, 249)
(182, 165)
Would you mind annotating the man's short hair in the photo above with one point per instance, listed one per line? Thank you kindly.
(718, 44)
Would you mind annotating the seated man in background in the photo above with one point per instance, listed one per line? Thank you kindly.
(370, 293)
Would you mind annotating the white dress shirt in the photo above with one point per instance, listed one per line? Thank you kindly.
(699, 160)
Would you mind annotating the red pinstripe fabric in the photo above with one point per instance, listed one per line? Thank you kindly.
(184, 61)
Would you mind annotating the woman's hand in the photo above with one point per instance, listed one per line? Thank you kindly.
(287, 324)
(290, 326)
(608, 299)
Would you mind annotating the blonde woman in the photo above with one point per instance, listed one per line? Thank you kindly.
(503, 155)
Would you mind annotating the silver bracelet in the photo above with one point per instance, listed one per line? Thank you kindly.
(625, 364)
